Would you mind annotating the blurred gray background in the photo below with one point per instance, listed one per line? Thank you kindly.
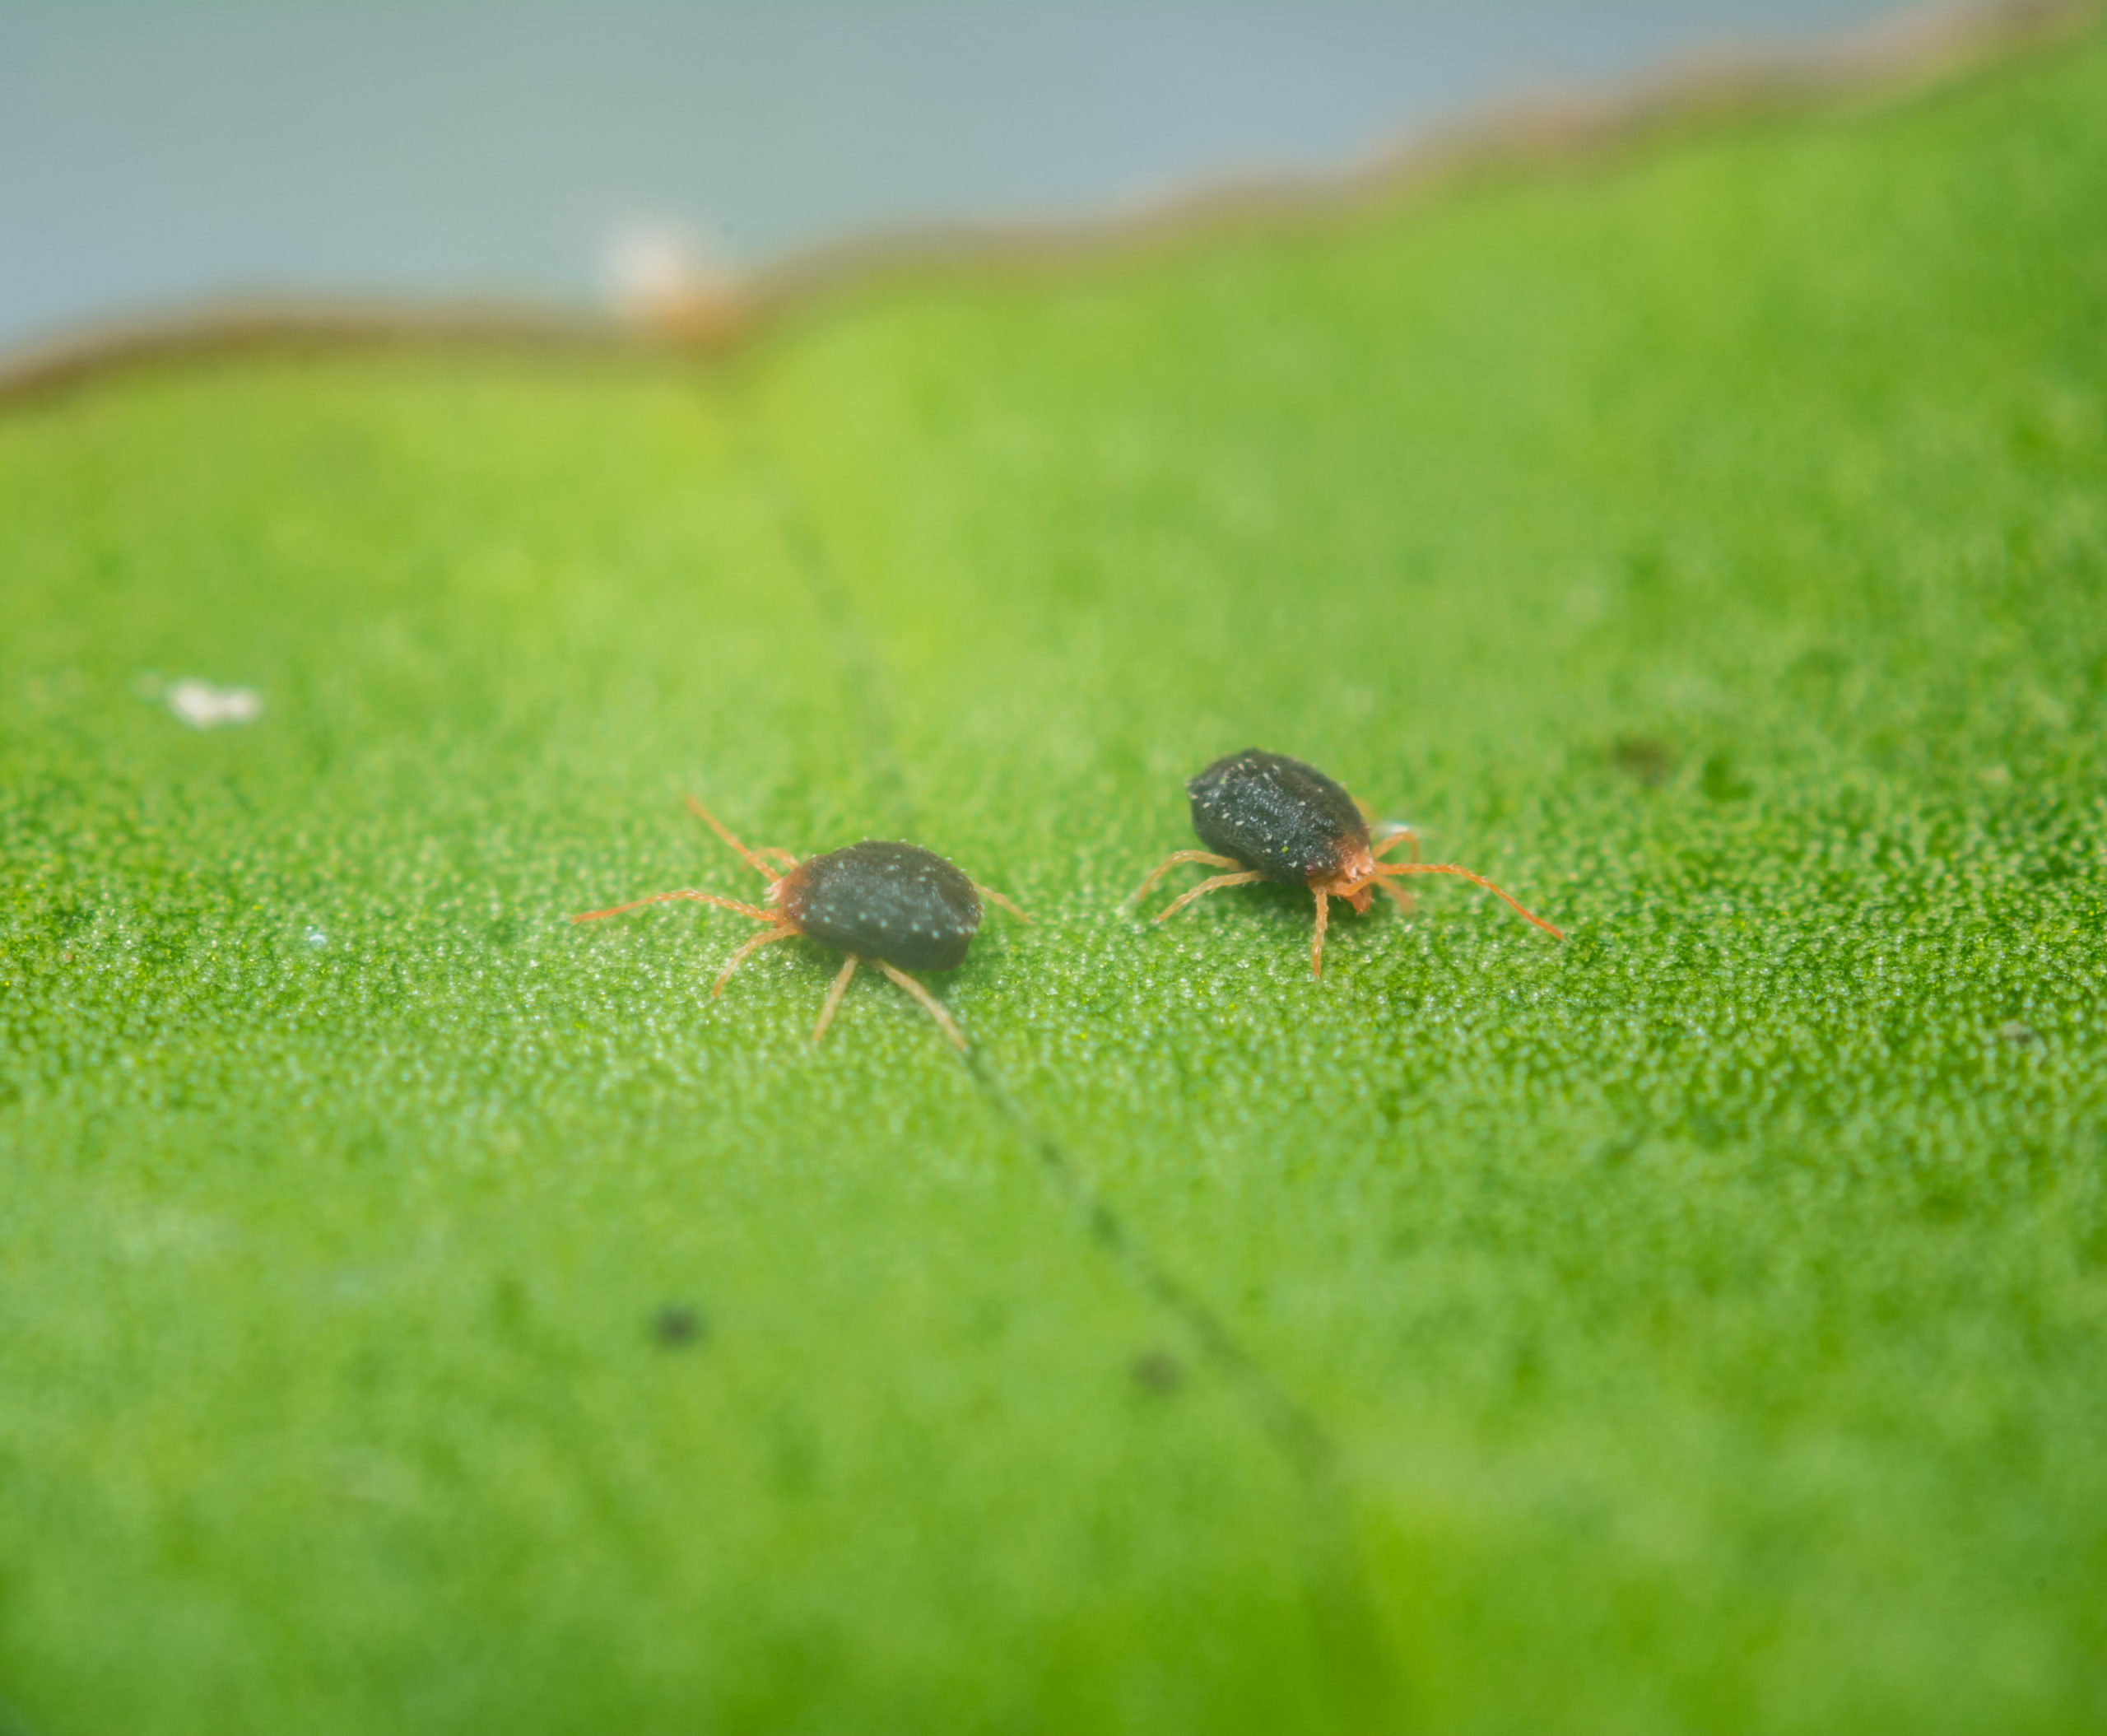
(156, 154)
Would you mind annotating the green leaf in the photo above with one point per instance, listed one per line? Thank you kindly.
(423, 1313)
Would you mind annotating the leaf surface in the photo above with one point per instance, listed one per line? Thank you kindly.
(424, 1313)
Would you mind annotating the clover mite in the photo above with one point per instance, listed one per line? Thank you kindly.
(882, 904)
(1271, 817)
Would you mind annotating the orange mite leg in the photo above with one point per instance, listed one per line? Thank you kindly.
(739, 957)
(1436, 868)
(1317, 945)
(835, 994)
(1405, 899)
(993, 896)
(928, 1003)
(752, 857)
(1206, 887)
(1391, 840)
(723, 904)
(1169, 863)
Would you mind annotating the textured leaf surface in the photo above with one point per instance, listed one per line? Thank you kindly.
(1695, 1326)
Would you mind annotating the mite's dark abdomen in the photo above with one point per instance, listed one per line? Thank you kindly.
(907, 906)
(1283, 818)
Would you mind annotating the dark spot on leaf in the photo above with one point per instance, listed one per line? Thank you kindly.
(1824, 664)
(1612, 1153)
(509, 1306)
(1719, 782)
(166, 945)
(69, 919)
(1158, 1370)
(1641, 757)
(1528, 1372)
(796, 1457)
(677, 1324)
(1708, 1129)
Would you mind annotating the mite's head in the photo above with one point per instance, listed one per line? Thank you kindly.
(1354, 877)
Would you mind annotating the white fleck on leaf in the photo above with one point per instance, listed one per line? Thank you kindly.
(204, 706)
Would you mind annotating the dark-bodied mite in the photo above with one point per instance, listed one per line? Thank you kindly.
(887, 905)
(1270, 817)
